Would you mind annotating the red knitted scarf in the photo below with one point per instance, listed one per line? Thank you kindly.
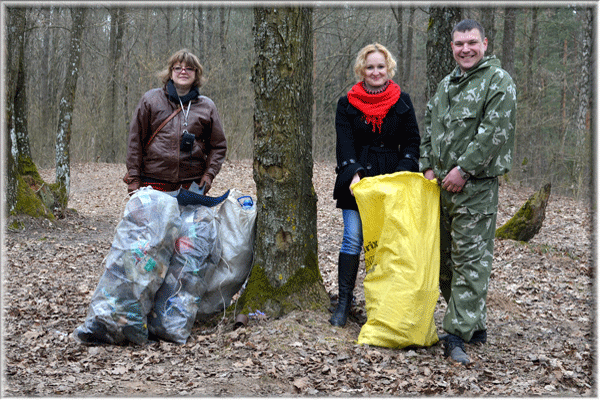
(374, 106)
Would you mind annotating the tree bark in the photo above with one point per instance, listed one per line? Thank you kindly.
(114, 126)
(285, 274)
(398, 13)
(531, 54)
(222, 34)
(584, 86)
(527, 222)
(488, 19)
(22, 177)
(508, 44)
(408, 55)
(65, 118)
(439, 54)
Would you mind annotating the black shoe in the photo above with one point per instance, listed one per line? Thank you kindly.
(479, 337)
(454, 347)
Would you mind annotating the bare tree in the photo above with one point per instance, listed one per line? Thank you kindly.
(408, 54)
(63, 134)
(223, 14)
(22, 176)
(114, 127)
(584, 85)
(531, 53)
(15, 114)
(398, 13)
(488, 19)
(285, 273)
(508, 44)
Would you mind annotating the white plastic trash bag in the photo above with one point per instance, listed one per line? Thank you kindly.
(135, 268)
(237, 218)
(197, 253)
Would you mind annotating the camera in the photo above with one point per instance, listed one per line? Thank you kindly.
(187, 141)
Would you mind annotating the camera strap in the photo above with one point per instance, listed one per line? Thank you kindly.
(185, 114)
(170, 117)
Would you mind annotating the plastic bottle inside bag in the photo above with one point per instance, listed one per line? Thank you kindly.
(246, 202)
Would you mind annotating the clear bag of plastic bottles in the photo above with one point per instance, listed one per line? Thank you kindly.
(135, 268)
(197, 253)
(237, 222)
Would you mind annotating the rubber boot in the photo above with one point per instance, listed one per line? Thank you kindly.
(347, 271)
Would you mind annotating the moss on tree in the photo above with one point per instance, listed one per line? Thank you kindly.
(35, 197)
(28, 202)
(527, 222)
(304, 290)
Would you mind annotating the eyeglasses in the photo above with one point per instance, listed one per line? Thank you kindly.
(179, 70)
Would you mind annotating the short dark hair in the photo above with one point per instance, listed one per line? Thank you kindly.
(467, 25)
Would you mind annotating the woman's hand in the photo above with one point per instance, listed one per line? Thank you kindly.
(207, 183)
(355, 179)
(133, 185)
(429, 174)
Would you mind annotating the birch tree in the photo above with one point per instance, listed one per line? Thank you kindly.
(285, 273)
(582, 122)
(65, 118)
(22, 177)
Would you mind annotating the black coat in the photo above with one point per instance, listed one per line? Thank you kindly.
(359, 149)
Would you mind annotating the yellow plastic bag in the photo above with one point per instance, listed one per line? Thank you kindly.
(400, 213)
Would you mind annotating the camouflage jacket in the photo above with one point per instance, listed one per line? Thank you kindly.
(470, 122)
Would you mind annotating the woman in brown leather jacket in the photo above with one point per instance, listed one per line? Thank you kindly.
(190, 147)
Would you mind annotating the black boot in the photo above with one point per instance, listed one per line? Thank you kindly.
(347, 271)
(454, 347)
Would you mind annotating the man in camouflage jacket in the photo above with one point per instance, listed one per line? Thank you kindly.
(467, 143)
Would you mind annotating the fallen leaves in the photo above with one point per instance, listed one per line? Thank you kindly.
(540, 307)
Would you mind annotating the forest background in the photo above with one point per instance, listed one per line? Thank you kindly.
(123, 49)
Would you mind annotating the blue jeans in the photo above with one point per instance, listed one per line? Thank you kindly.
(353, 236)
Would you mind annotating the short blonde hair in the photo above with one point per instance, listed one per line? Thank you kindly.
(361, 60)
(183, 56)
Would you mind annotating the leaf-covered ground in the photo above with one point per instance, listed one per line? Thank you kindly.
(540, 319)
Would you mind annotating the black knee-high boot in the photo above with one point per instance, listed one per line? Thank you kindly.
(347, 271)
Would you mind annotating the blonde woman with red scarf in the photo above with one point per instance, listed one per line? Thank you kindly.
(377, 134)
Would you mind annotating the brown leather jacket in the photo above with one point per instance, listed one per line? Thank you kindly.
(162, 159)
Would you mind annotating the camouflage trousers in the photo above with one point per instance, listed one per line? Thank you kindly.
(467, 229)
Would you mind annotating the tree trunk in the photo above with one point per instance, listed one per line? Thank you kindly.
(527, 222)
(201, 31)
(65, 118)
(114, 127)
(409, 50)
(584, 86)
(488, 17)
(22, 177)
(439, 54)
(508, 44)
(398, 13)
(285, 273)
(531, 54)
(222, 35)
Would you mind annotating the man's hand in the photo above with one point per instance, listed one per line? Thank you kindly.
(453, 182)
